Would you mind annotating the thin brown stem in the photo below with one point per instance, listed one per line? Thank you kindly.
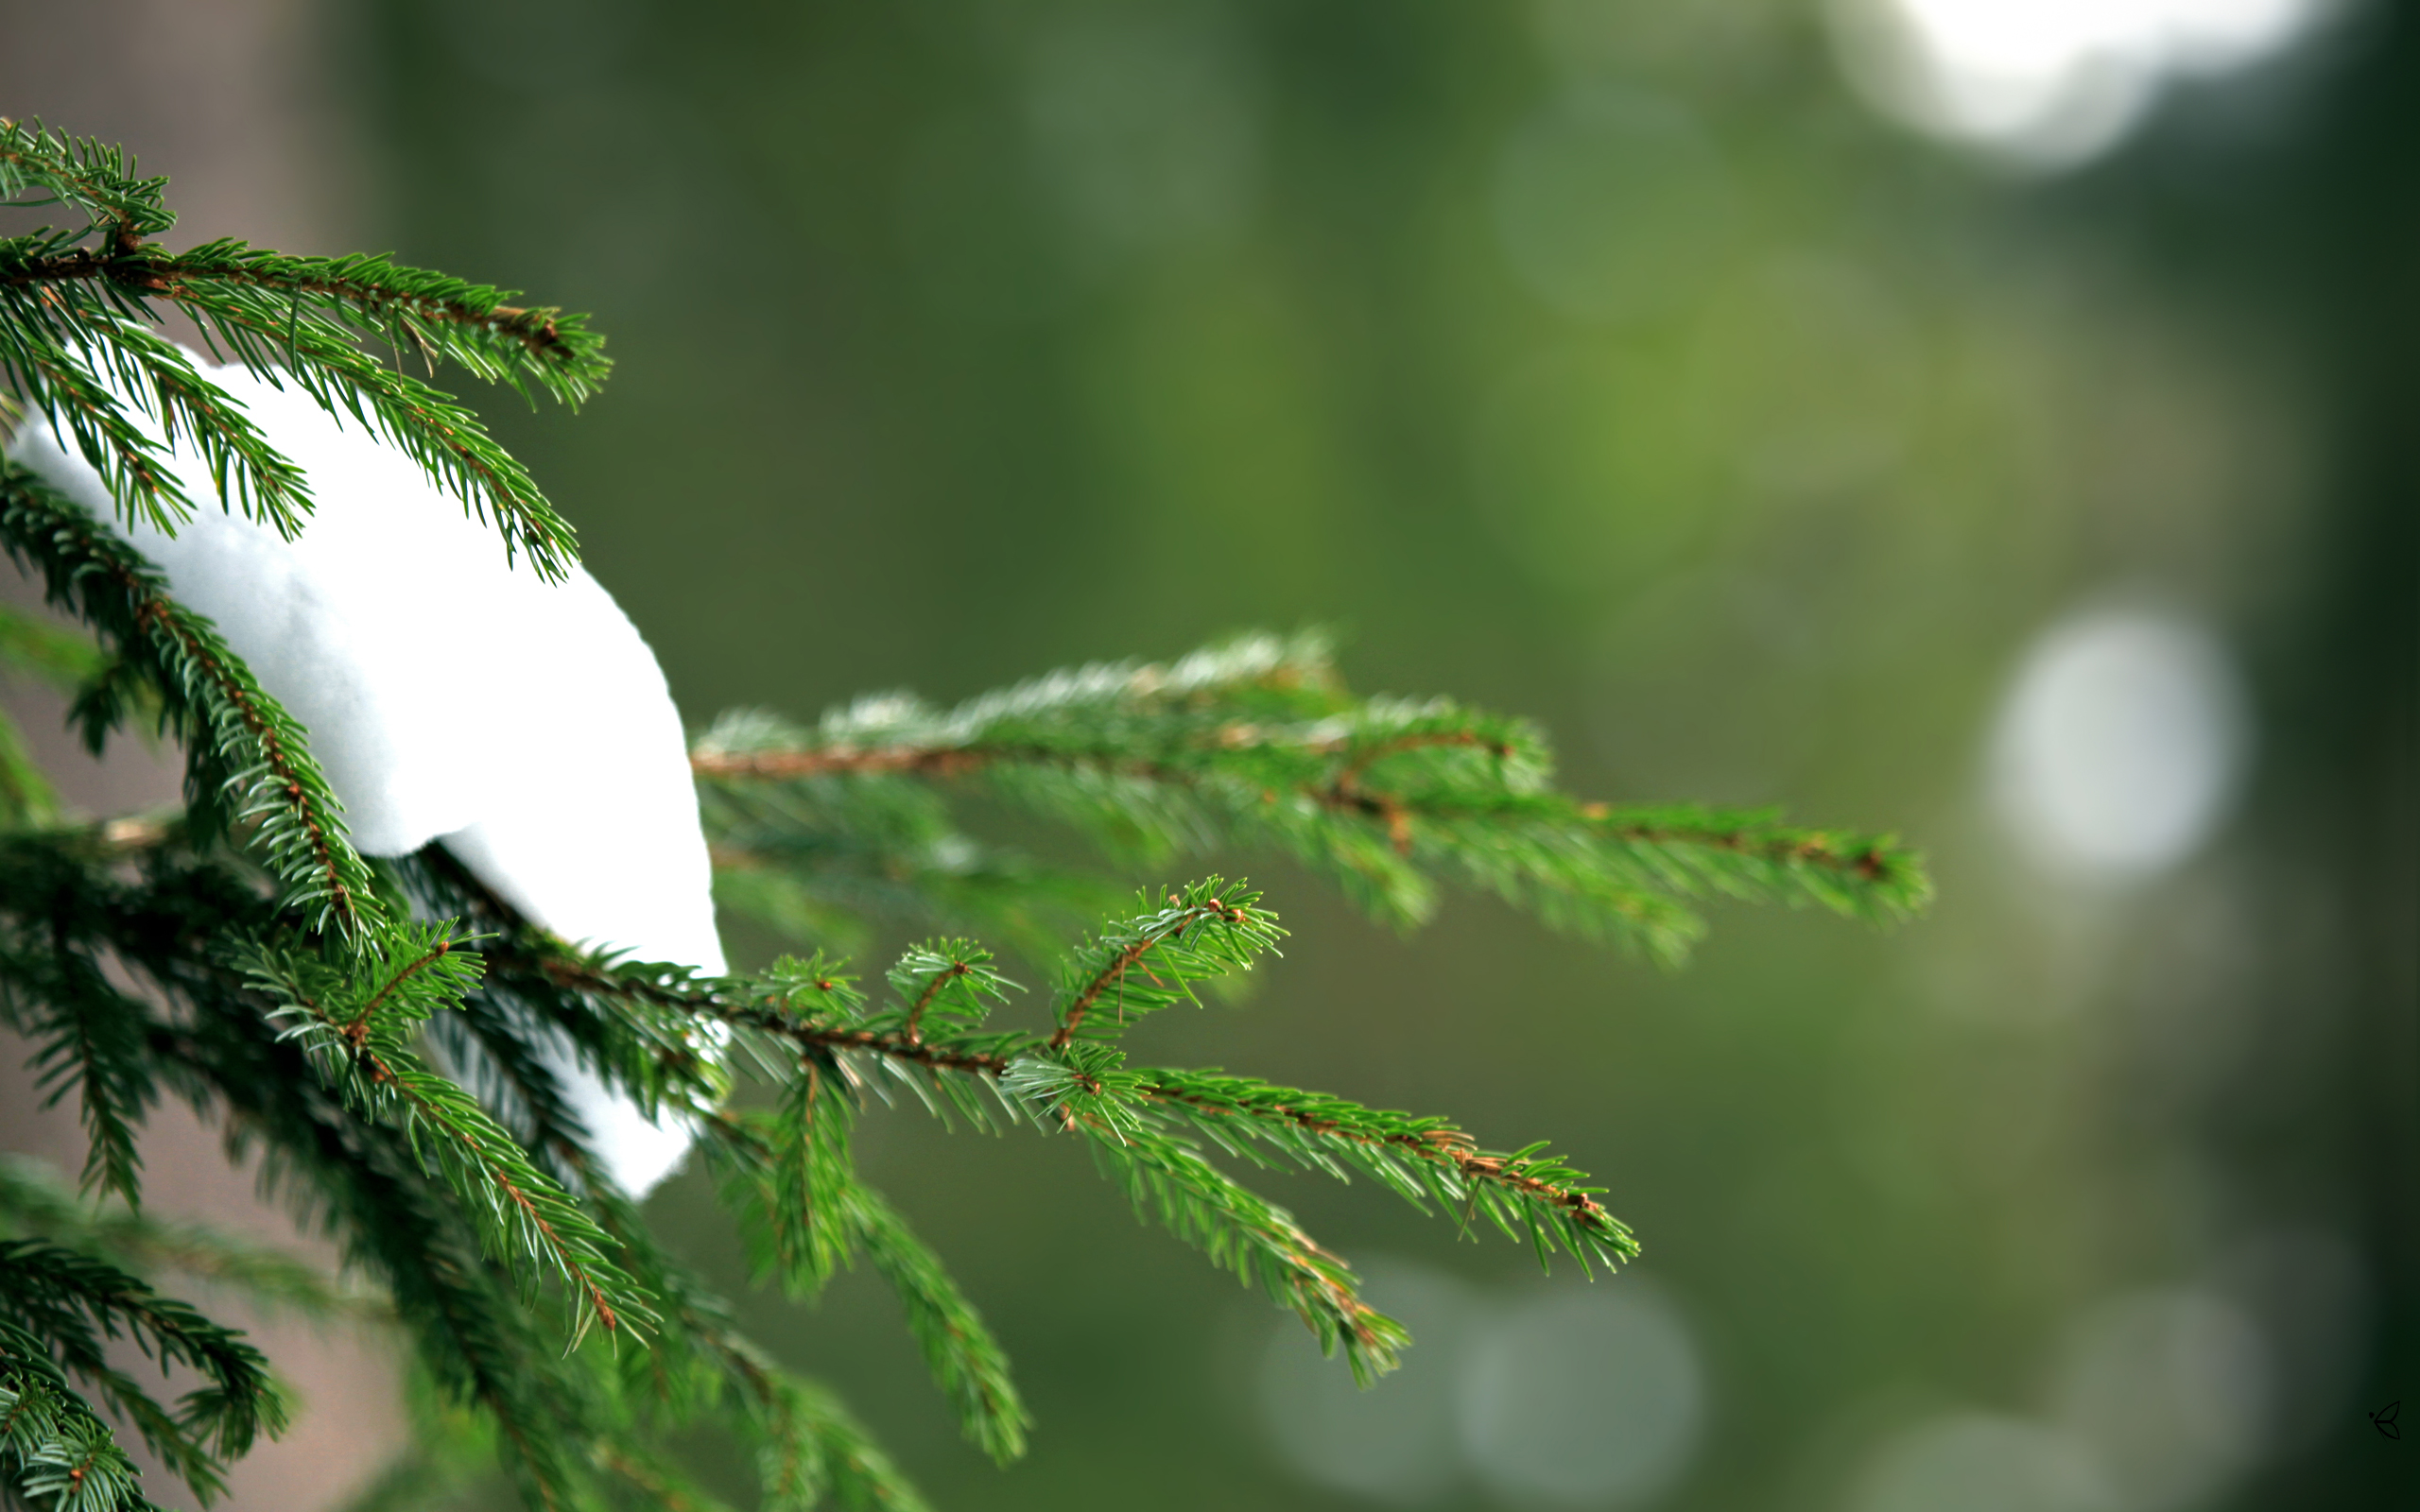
(1345, 791)
(356, 1028)
(1870, 861)
(788, 765)
(91, 188)
(569, 971)
(65, 269)
(155, 615)
(1115, 972)
(1126, 960)
(172, 279)
(384, 1075)
(932, 990)
(1450, 1147)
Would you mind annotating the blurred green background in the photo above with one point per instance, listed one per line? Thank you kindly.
(1618, 364)
(1613, 363)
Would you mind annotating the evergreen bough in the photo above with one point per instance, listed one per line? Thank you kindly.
(241, 956)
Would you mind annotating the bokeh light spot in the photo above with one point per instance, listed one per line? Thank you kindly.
(2050, 82)
(1394, 1443)
(1583, 1398)
(2171, 1389)
(2120, 745)
(1982, 1462)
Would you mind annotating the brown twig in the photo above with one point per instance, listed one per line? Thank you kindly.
(1451, 1147)
(155, 614)
(384, 1076)
(1130, 957)
(1345, 790)
(357, 1028)
(1869, 861)
(170, 278)
(932, 990)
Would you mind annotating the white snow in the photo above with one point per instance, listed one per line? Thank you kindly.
(452, 697)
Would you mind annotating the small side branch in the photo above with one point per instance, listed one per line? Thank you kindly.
(1386, 795)
(1249, 1110)
(202, 679)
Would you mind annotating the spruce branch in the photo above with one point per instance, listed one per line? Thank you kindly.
(246, 757)
(963, 1357)
(807, 1213)
(95, 177)
(814, 1007)
(150, 376)
(405, 1226)
(88, 1039)
(58, 374)
(53, 336)
(1256, 742)
(431, 316)
(160, 908)
(355, 1025)
(1167, 1180)
(444, 437)
(816, 1011)
(772, 1013)
(809, 1180)
(78, 1303)
(1143, 964)
(493, 1037)
(805, 1440)
(77, 303)
(54, 1448)
(1528, 1194)
(792, 1170)
(652, 1049)
(1213, 926)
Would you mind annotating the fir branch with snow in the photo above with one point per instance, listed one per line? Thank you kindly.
(473, 1000)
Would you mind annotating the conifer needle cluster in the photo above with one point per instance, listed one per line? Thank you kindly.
(376, 1031)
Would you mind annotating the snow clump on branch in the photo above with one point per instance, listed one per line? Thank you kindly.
(452, 697)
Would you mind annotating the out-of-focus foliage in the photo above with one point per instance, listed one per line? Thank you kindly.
(1605, 361)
